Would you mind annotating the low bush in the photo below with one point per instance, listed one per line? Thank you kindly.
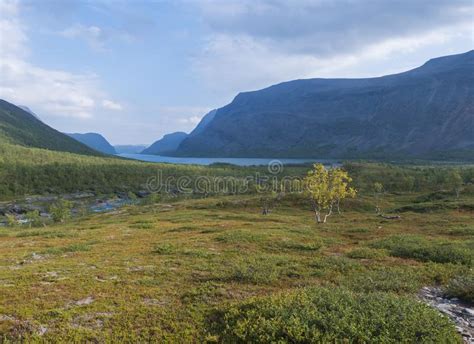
(462, 287)
(79, 247)
(418, 248)
(334, 264)
(367, 253)
(299, 246)
(165, 248)
(240, 237)
(397, 280)
(255, 270)
(334, 316)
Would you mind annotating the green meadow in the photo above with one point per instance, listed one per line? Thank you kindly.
(212, 268)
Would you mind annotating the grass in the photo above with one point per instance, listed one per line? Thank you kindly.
(166, 274)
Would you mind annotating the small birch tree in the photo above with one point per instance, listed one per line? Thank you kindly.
(326, 189)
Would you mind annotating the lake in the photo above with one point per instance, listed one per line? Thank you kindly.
(234, 161)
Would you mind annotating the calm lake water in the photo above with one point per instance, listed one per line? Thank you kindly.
(235, 161)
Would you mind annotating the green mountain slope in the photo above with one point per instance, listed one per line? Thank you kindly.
(19, 127)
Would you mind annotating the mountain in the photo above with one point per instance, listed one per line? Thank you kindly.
(427, 112)
(129, 149)
(166, 145)
(19, 127)
(27, 109)
(94, 141)
(204, 123)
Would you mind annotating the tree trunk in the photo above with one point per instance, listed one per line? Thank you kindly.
(328, 214)
(318, 217)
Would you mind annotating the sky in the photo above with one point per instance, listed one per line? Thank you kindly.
(134, 70)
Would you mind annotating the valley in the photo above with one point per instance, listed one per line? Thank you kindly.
(311, 211)
(187, 269)
(173, 267)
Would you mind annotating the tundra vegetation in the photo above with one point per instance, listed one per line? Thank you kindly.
(187, 267)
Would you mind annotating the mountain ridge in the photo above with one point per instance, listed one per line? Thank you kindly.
(20, 127)
(167, 144)
(426, 112)
(95, 141)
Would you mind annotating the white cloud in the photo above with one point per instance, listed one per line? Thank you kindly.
(184, 117)
(12, 36)
(49, 92)
(194, 120)
(111, 105)
(93, 35)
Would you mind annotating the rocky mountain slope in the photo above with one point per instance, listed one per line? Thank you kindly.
(427, 112)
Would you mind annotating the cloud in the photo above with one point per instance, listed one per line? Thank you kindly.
(13, 38)
(252, 44)
(193, 120)
(49, 92)
(111, 105)
(323, 27)
(184, 117)
(96, 37)
(93, 35)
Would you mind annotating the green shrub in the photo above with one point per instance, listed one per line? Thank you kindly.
(418, 248)
(11, 220)
(240, 236)
(300, 246)
(367, 253)
(397, 280)
(34, 218)
(262, 270)
(462, 287)
(165, 248)
(79, 247)
(334, 316)
(43, 233)
(335, 264)
(61, 211)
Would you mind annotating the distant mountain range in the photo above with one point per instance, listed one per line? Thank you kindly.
(129, 149)
(169, 143)
(166, 145)
(427, 112)
(424, 113)
(94, 141)
(20, 127)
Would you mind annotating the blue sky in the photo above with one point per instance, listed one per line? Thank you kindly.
(136, 70)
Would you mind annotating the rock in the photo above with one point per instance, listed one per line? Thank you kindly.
(41, 330)
(154, 302)
(84, 302)
(460, 314)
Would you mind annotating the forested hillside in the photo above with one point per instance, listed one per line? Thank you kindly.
(20, 127)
